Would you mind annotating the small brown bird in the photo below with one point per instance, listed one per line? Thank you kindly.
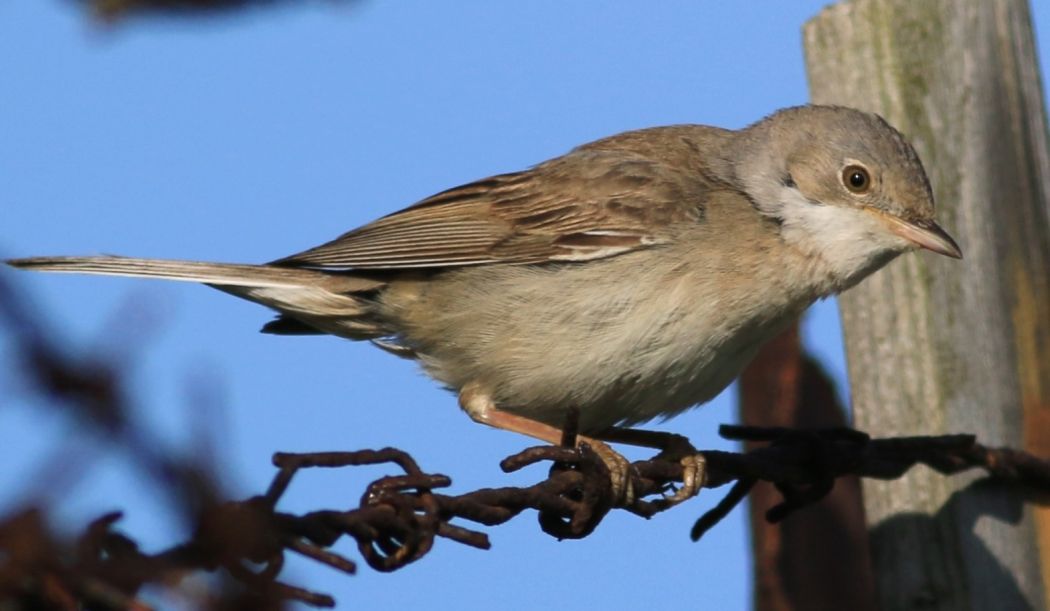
(632, 278)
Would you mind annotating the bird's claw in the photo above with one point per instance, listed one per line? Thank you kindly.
(619, 472)
(694, 476)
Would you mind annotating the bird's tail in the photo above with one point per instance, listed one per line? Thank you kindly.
(227, 274)
(337, 303)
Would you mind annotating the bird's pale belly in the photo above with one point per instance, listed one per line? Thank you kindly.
(671, 382)
(610, 351)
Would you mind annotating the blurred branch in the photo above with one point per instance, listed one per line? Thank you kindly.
(113, 10)
(398, 518)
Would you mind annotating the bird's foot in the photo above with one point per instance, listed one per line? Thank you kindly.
(694, 471)
(694, 467)
(694, 476)
(672, 447)
(619, 471)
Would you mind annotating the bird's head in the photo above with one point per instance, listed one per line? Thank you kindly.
(845, 186)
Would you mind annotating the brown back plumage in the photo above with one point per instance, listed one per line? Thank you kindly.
(586, 205)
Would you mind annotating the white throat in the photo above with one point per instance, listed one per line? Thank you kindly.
(846, 243)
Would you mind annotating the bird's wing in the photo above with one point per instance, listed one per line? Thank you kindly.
(586, 205)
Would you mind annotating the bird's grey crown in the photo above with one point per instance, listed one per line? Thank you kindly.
(824, 139)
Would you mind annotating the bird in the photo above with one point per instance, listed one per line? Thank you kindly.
(629, 279)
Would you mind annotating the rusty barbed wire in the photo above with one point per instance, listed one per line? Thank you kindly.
(399, 517)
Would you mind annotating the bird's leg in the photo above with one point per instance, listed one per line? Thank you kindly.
(481, 408)
(672, 446)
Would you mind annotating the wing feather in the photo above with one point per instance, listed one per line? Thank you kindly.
(586, 205)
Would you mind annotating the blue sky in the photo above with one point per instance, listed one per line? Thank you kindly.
(251, 137)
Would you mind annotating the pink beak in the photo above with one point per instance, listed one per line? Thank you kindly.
(924, 234)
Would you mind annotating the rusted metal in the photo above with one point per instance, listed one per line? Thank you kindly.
(820, 560)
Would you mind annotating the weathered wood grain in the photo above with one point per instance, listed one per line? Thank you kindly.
(936, 345)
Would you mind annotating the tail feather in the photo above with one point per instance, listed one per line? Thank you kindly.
(339, 303)
(228, 274)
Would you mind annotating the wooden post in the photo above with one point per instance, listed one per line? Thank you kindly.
(936, 345)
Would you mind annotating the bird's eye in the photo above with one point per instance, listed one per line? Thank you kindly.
(856, 179)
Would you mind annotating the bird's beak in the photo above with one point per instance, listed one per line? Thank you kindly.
(924, 234)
